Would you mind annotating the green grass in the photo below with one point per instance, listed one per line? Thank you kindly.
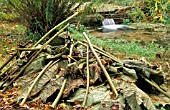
(130, 48)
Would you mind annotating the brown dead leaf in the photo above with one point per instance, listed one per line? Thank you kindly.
(33, 106)
(73, 84)
(77, 102)
(114, 107)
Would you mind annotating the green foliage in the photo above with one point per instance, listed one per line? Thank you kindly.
(6, 12)
(42, 15)
(150, 10)
(161, 107)
(129, 47)
(136, 14)
(49, 10)
(127, 21)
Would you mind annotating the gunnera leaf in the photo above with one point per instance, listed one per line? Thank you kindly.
(130, 72)
(50, 88)
(135, 97)
(27, 80)
(99, 97)
(72, 84)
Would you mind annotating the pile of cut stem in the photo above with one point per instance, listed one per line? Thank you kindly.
(89, 48)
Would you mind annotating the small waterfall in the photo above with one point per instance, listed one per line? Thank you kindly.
(108, 22)
(110, 26)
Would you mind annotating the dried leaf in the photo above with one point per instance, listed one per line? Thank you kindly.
(95, 72)
(135, 97)
(27, 80)
(72, 85)
(98, 97)
(130, 72)
(50, 88)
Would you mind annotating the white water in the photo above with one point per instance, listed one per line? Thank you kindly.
(109, 26)
(108, 22)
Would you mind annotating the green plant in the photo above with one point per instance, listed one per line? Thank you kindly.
(136, 14)
(127, 21)
(123, 46)
(159, 10)
(42, 15)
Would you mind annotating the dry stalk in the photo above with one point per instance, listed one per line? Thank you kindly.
(59, 94)
(28, 49)
(70, 53)
(156, 86)
(97, 49)
(88, 79)
(102, 67)
(4, 64)
(8, 68)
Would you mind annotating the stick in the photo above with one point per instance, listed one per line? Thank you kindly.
(8, 68)
(3, 65)
(75, 14)
(88, 79)
(70, 53)
(102, 67)
(108, 54)
(35, 81)
(59, 94)
(156, 86)
(103, 52)
(28, 49)
(34, 57)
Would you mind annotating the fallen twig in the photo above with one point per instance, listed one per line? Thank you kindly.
(59, 94)
(88, 78)
(156, 86)
(102, 67)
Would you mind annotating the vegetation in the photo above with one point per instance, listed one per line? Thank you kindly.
(42, 15)
(130, 48)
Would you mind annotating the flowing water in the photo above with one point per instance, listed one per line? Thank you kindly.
(110, 26)
(108, 22)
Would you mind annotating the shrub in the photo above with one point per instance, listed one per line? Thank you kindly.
(42, 15)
